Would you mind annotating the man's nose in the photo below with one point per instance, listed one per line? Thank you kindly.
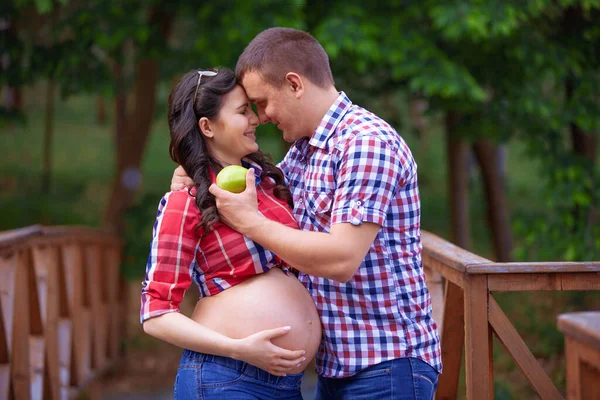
(263, 118)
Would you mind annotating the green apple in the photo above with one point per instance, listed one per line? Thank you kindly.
(232, 178)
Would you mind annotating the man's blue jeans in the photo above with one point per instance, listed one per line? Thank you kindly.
(399, 379)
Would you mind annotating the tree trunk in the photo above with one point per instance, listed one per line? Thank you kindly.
(491, 164)
(458, 182)
(100, 110)
(12, 97)
(586, 146)
(48, 134)
(132, 131)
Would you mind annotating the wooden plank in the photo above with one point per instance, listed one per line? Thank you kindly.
(75, 287)
(520, 353)
(6, 287)
(46, 264)
(7, 295)
(65, 347)
(589, 355)
(4, 381)
(590, 375)
(37, 285)
(453, 340)
(87, 346)
(572, 369)
(478, 365)
(435, 285)
(581, 281)
(524, 282)
(112, 289)
(16, 239)
(533, 267)
(37, 347)
(447, 253)
(583, 327)
(446, 271)
(95, 283)
(540, 281)
(21, 383)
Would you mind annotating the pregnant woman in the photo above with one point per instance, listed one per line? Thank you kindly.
(255, 326)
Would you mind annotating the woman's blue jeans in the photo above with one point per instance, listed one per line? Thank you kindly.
(399, 379)
(204, 376)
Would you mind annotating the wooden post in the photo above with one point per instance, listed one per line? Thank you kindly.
(582, 353)
(45, 261)
(478, 340)
(436, 290)
(7, 284)
(15, 307)
(112, 285)
(95, 284)
(453, 339)
(37, 344)
(75, 285)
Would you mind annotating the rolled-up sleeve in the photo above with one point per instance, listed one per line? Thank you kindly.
(369, 172)
(172, 254)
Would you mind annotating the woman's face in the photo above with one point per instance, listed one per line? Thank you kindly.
(234, 128)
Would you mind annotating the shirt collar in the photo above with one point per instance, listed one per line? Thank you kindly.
(330, 121)
(248, 163)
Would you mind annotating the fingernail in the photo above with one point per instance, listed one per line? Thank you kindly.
(287, 328)
(304, 359)
(298, 366)
(304, 352)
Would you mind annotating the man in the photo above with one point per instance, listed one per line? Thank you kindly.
(354, 184)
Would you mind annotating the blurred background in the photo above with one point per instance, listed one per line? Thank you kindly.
(499, 101)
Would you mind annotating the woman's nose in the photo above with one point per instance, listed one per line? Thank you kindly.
(254, 119)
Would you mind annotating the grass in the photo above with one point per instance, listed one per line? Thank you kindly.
(82, 173)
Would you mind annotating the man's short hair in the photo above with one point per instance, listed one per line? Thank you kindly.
(276, 51)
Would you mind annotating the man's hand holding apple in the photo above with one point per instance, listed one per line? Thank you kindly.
(238, 210)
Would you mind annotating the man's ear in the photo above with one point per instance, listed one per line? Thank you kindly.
(295, 83)
(205, 127)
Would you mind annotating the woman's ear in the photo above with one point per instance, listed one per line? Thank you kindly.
(205, 127)
(295, 84)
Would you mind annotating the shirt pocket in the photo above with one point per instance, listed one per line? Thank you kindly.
(319, 204)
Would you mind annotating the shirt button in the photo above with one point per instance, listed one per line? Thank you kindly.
(358, 202)
(300, 200)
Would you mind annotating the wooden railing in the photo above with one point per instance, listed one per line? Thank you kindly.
(61, 319)
(468, 314)
(582, 353)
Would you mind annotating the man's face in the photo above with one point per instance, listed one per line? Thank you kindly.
(275, 105)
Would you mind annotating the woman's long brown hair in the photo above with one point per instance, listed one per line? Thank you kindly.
(188, 146)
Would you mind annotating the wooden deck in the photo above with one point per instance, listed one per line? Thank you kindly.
(60, 314)
(62, 320)
(464, 303)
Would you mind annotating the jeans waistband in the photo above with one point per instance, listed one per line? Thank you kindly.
(290, 380)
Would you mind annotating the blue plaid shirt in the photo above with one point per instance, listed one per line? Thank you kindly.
(356, 168)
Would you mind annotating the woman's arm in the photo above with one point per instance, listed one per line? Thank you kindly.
(256, 349)
(167, 279)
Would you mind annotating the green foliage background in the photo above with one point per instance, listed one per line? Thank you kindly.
(502, 65)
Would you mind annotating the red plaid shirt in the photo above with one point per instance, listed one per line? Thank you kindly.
(355, 169)
(221, 259)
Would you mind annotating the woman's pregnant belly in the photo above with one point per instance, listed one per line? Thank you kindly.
(266, 301)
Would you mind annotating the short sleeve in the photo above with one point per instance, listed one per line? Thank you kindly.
(172, 254)
(369, 174)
